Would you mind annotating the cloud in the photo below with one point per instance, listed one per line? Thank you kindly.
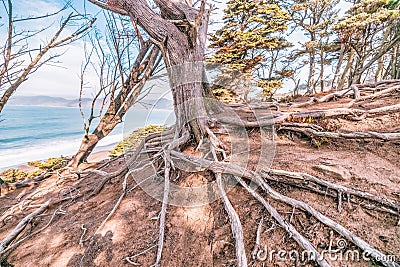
(53, 80)
(57, 80)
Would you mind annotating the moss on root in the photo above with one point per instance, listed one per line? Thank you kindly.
(135, 138)
(50, 164)
(15, 175)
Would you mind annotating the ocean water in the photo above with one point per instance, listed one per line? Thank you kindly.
(30, 133)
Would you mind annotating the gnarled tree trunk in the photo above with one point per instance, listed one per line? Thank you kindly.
(180, 31)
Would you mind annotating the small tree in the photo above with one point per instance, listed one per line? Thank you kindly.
(249, 43)
(315, 18)
(20, 59)
(120, 80)
(369, 31)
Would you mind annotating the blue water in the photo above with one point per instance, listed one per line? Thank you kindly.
(23, 126)
(30, 133)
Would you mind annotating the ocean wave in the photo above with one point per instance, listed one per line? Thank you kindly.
(52, 148)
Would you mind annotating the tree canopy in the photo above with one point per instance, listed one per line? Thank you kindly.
(251, 31)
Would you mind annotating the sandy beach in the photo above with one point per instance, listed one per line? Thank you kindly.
(95, 157)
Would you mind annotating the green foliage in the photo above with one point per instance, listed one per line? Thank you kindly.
(269, 87)
(319, 141)
(368, 13)
(135, 138)
(249, 26)
(15, 175)
(369, 31)
(51, 164)
(252, 28)
(315, 19)
(225, 95)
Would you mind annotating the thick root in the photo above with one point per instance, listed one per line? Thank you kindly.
(19, 228)
(163, 214)
(289, 228)
(238, 171)
(355, 135)
(236, 226)
(344, 190)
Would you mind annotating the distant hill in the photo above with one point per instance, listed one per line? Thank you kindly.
(49, 101)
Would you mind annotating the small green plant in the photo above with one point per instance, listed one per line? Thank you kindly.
(51, 164)
(317, 142)
(15, 175)
(135, 138)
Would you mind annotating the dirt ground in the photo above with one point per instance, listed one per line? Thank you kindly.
(202, 236)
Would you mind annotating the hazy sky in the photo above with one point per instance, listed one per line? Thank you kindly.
(63, 79)
(53, 80)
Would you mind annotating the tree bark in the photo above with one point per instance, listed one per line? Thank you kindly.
(339, 66)
(379, 71)
(321, 73)
(395, 63)
(180, 32)
(346, 70)
(88, 143)
(311, 82)
(183, 50)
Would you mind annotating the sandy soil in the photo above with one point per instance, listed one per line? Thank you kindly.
(99, 156)
(202, 236)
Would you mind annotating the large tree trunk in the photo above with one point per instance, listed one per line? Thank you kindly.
(88, 143)
(181, 33)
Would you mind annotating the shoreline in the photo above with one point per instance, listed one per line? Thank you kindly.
(99, 153)
(95, 157)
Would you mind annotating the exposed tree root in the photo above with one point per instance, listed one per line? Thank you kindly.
(238, 172)
(129, 259)
(326, 98)
(10, 242)
(325, 191)
(263, 105)
(163, 214)
(284, 117)
(301, 240)
(26, 183)
(20, 227)
(167, 160)
(236, 225)
(258, 237)
(364, 246)
(339, 188)
(356, 135)
(124, 185)
(107, 177)
(379, 89)
(382, 93)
